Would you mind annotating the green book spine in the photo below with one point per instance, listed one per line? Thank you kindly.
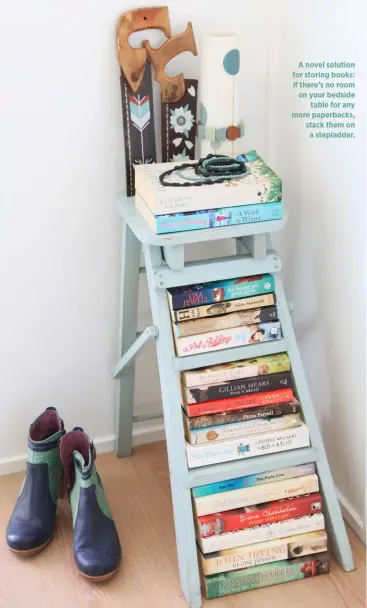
(266, 575)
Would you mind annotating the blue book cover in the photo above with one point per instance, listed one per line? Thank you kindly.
(217, 218)
(219, 291)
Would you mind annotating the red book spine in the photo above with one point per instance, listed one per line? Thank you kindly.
(283, 395)
(268, 513)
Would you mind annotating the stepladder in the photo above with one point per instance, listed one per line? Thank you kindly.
(165, 267)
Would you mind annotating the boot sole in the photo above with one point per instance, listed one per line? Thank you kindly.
(99, 579)
(30, 552)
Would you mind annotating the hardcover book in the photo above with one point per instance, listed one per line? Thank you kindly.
(252, 480)
(247, 447)
(210, 218)
(258, 515)
(254, 495)
(222, 308)
(255, 413)
(284, 571)
(263, 553)
(227, 338)
(259, 185)
(259, 534)
(240, 429)
(234, 319)
(236, 388)
(268, 364)
(283, 395)
(219, 291)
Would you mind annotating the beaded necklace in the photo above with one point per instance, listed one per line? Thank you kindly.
(207, 171)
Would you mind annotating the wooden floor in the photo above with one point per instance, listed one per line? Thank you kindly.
(139, 494)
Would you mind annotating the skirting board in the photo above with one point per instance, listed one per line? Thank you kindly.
(351, 517)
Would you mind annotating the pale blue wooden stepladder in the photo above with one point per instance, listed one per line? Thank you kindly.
(165, 267)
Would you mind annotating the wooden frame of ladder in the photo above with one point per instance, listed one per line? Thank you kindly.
(165, 267)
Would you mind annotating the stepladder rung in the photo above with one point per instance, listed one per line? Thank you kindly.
(228, 355)
(251, 466)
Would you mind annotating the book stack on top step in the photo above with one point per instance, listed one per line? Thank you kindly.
(256, 197)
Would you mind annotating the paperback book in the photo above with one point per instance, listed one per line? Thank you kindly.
(255, 495)
(256, 413)
(222, 308)
(236, 388)
(249, 481)
(209, 218)
(284, 571)
(227, 338)
(218, 291)
(240, 429)
(234, 319)
(259, 515)
(283, 395)
(259, 185)
(263, 553)
(263, 533)
(247, 447)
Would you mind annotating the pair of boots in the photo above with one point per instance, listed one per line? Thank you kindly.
(58, 460)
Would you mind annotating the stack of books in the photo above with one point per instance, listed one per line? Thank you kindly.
(256, 197)
(223, 314)
(260, 530)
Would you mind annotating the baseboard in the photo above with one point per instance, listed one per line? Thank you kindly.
(143, 432)
(351, 517)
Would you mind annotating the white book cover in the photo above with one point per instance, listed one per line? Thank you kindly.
(254, 495)
(263, 533)
(247, 447)
(259, 185)
(240, 429)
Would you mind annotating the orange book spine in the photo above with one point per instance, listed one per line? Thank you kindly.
(239, 403)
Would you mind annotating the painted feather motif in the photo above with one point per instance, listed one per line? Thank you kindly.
(140, 111)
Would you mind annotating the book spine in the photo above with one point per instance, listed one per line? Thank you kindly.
(251, 480)
(227, 338)
(217, 218)
(259, 534)
(242, 429)
(259, 515)
(268, 364)
(256, 413)
(283, 395)
(220, 308)
(234, 319)
(228, 290)
(247, 447)
(266, 575)
(236, 388)
(255, 495)
(263, 553)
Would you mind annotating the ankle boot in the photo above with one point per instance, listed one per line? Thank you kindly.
(32, 522)
(97, 550)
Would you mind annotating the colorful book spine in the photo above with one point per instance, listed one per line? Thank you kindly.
(216, 374)
(259, 515)
(209, 218)
(222, 308)
(256, 413)
(284, 571)
(255, 495)
(234, 319)
(283, 395)
(252, 480)
(247, 447)
(263, 553)
(241, 429)
(227, 338)
(261, 534)
(219, 291)
(236, 388)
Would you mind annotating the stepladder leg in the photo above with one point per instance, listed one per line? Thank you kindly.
(181, 494)
(130, 261)
(334, 520)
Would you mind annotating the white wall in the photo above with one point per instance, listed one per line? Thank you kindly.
(323, 247)
(61, 142)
